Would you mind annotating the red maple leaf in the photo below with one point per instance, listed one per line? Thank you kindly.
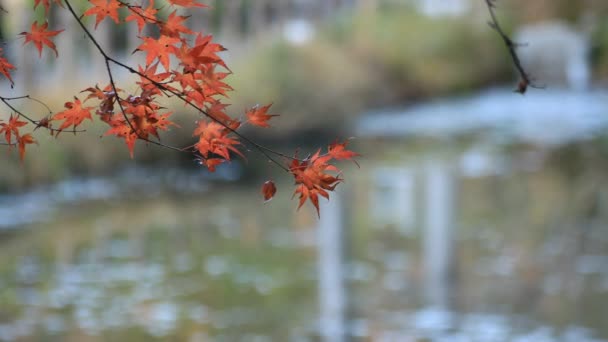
(258, 116)
(46, 4)
(142, 16)
(102, 9)
(160, 48)
(186, 3)
(172, 27)
(74, 114)
(122, 129)
(312, 179)
(338, 151)
(10, 128)
(6, 67)
(268, 190)
(40, 36)
(22, 141)
(213, 138)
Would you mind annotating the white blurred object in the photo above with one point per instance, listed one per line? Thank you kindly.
(441, 8)
(298, 31)
(554, 53)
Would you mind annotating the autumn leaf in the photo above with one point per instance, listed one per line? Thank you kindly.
(186, 3)
(12, 127)
(213, 138)
(39, 35)
(121, 129)
(258, 116)
(211, 163)
(74, 114)
(160, 48)
(268, 190)
(46, 4)
(172, 27)
(22, 141)
(102, 9)
(141, 16)
(338, 151)
(6, 67)
(312, 179)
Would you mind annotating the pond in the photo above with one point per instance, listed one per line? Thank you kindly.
(196, 260)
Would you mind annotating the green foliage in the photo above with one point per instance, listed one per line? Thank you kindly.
(369, 59)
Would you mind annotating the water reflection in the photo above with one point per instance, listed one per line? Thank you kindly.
(487, 244)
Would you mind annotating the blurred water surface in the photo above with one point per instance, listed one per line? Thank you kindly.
(171, 255)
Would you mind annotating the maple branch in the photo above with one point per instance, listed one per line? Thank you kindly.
(131, 9)
(38, 123)
(31, 99)
(262, 149)
(113, 83)
(122, 110)
(525, 80)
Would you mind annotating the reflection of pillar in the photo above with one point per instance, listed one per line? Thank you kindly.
(332, 291)
(439, 233)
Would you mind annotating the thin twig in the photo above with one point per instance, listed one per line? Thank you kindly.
(262, 149)
(6, 101)
(525, 80)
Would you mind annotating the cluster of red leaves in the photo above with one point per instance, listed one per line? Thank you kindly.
(11, 129)
(316, 175)
(178, 63)
(6, 67)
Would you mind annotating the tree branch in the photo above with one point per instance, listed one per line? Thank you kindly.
(525, 80)
(266, 151)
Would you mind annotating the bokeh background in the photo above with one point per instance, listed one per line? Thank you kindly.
(476, 214)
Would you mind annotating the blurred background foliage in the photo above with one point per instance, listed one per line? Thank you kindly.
(96, 246)
(390, 56)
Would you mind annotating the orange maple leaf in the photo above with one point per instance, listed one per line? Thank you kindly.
(312, 179)
(121, 129)
(160, 48)
(10, 128)
(186, 3)
(102, 9)
(40, 36)
(258, 116)
(172, 27)
(22, 141)
(213, 138)
(6, 67)
(338, 151)
(74, 114)
(142, 16)
(46, 4)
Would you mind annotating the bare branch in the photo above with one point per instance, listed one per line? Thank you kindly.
(525, 80)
